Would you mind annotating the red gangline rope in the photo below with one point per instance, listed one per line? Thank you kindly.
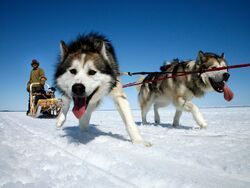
(184, 74)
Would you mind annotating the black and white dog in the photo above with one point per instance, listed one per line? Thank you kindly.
(86, 72)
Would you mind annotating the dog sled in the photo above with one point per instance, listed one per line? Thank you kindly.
(48, 106)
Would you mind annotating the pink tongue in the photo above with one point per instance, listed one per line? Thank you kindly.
(228, 94)
(79, 107)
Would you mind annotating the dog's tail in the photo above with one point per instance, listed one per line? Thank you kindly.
(143, 92)
(140, 80)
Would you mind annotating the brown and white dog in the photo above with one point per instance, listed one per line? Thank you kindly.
(181, 90)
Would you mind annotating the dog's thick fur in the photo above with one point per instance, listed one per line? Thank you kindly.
(86, 72)
(180, 90)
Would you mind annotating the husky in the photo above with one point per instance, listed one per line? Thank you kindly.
(181, 90)
(87, 71)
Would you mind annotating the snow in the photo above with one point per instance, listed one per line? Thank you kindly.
(33, 153)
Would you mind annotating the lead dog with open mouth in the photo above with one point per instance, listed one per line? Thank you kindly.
(181, 90)
(86, 72)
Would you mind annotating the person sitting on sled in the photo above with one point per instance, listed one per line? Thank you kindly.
(40, 92)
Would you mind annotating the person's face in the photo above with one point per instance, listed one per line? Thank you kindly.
(34, 65)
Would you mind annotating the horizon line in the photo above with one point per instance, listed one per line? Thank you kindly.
(136, 109)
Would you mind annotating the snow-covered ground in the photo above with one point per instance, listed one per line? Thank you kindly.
(33, 153)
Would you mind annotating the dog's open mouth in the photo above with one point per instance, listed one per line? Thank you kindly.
(222, 87)
(81, 104)
(218, 86)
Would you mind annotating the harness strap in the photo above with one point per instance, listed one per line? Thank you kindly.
(181, 73)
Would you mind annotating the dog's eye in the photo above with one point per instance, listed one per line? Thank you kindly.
(73, 71)
(91, 72)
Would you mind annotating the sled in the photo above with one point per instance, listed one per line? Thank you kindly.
(46, 108)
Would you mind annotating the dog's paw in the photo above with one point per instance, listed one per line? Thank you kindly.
(59, 124)
(145, 143)
(157, 122)
(203, 126)
(145, 123)
(175, 125)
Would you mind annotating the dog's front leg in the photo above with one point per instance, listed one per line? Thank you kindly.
(65, 108)
(121, 102)
(190, 107)
(84, 120)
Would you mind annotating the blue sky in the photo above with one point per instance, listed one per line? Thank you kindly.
(144, 34)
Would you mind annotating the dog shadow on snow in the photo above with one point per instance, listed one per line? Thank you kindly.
(75, 135)
(164, 125)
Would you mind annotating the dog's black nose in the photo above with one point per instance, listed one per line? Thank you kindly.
(226, 76)
(78, 89)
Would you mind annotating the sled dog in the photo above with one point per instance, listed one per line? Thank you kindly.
(87, 71)
(181, 90)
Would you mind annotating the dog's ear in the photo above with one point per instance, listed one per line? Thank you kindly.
(104, 51)
(63, 49)
(222, 55)
(101, 47)
(200, 57)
